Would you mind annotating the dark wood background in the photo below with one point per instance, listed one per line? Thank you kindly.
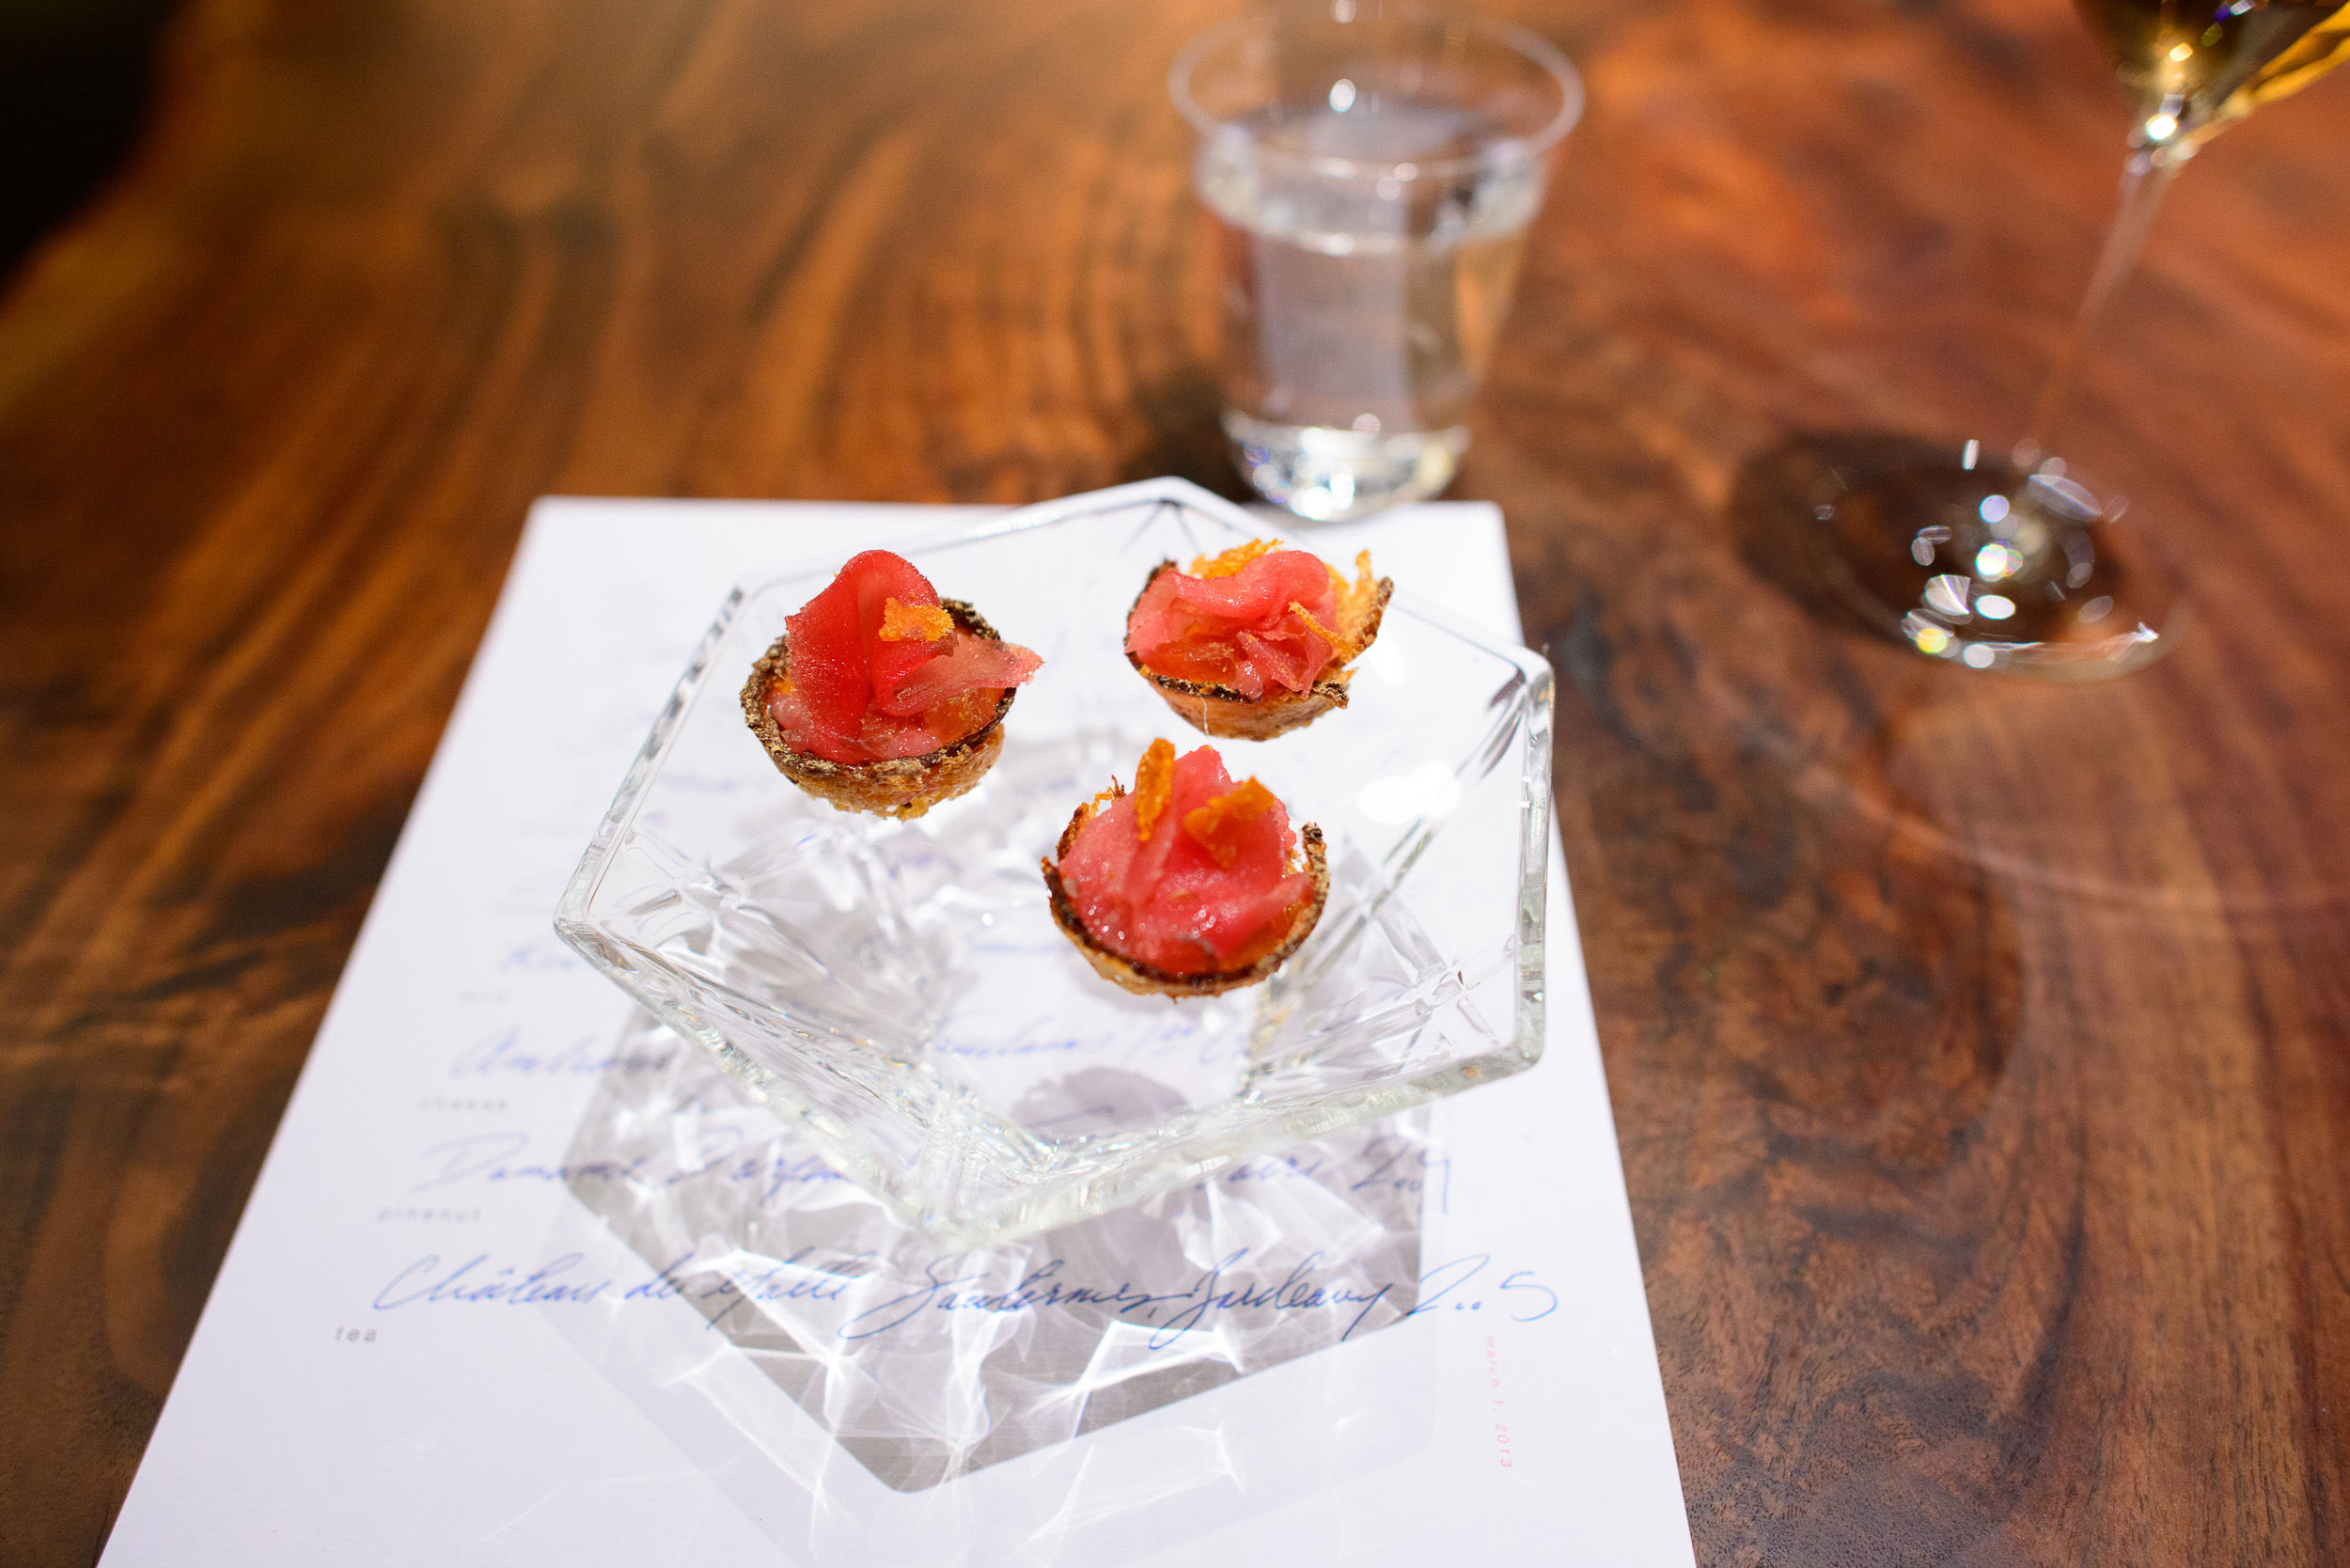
(1981, 1050)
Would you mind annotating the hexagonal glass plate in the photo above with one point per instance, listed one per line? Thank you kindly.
(897, 992)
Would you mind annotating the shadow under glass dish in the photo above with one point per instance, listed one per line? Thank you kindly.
(897, 992)
(1369, 172)
(2014, 562)
(818, 1288)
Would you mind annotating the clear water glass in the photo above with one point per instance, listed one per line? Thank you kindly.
(1369, 174)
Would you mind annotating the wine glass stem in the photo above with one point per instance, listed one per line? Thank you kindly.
(2144, 179)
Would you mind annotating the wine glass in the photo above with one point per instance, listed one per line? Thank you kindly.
(2012, 562)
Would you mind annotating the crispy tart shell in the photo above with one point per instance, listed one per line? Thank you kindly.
(899, 785)
(1229, 714)
(1144, 980)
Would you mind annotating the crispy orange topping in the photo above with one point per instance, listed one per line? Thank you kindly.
(1207, 822)
(1154, 785)
(914, 622)
(1231, 563)
(1341, 649)
(1356, 597)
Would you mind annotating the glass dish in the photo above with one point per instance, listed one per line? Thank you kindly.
(897, 992)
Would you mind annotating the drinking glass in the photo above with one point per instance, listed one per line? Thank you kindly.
(2012, 562)
(1369, 172)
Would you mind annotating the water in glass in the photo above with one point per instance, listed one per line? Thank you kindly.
(1359, 313)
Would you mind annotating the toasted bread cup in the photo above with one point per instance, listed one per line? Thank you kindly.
(898, 786)
(1226, 713)
(1145, 980)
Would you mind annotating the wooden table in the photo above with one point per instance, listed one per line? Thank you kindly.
(1981, 1050)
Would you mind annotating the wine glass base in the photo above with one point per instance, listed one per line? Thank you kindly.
(1991, 565)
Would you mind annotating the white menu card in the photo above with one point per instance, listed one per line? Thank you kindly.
(525, 1281)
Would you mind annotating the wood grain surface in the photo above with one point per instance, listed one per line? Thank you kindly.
(1979, 1050)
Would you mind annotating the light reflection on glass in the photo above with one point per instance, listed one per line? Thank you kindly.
(2002, 576)
(1947, 594)
(1997, 561)
(1930, 636)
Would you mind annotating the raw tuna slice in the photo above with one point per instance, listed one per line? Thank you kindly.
(1253, 619)
(1190, 873)
(879, 669)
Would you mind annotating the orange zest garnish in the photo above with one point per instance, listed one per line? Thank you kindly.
(1207, 823)
(914, 622)
(1154, 785)
(1230, 562)
(1341, 649)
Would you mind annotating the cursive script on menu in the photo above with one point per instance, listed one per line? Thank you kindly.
(874, 1303)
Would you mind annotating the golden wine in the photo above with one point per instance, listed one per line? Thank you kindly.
(2020, 567)
(2195, 64)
